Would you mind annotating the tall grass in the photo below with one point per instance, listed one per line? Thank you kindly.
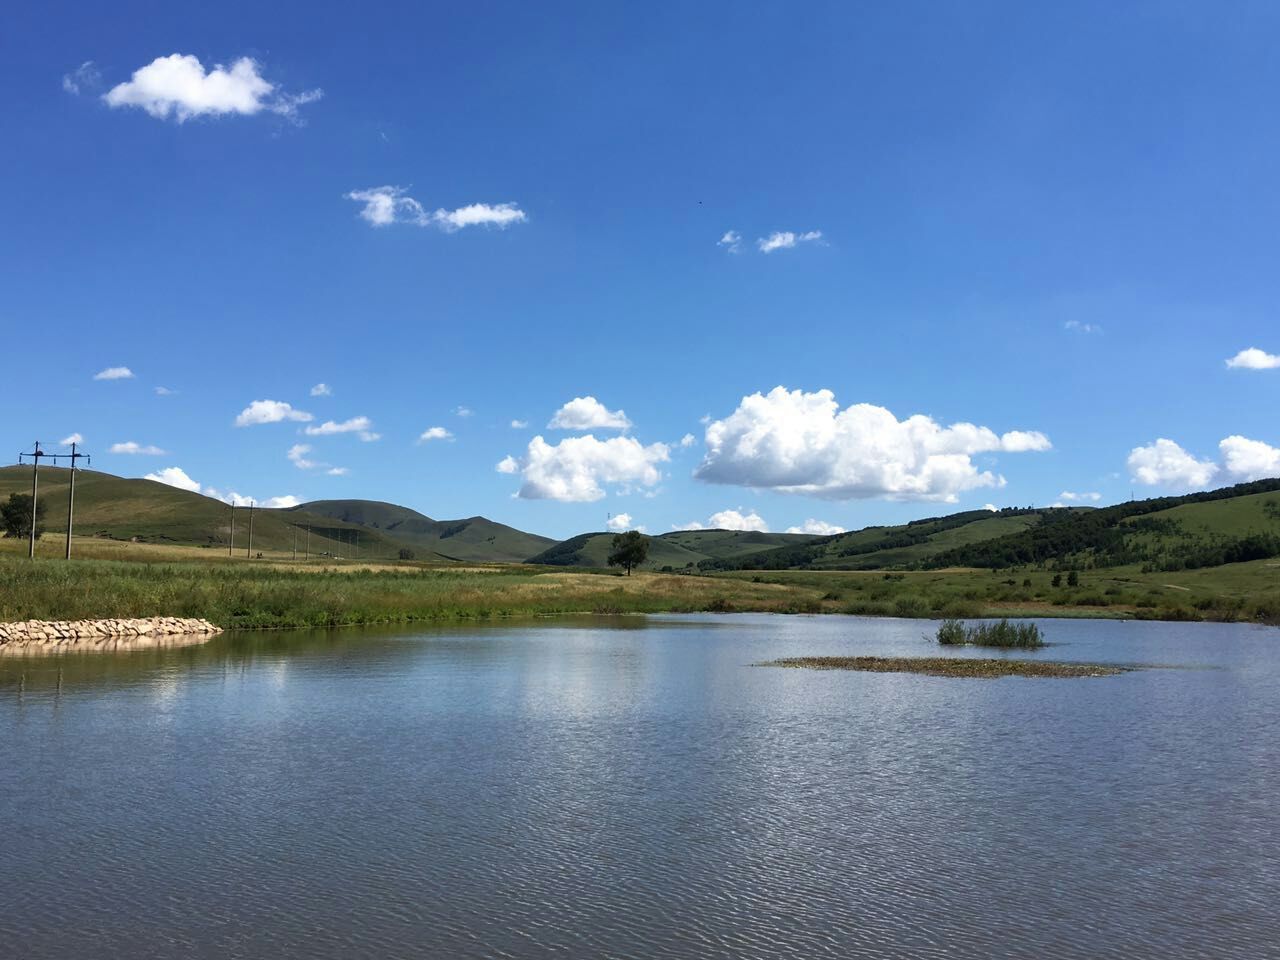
(999, 634)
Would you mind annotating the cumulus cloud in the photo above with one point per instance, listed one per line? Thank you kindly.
(174, 477)
(362, 426)
(737, 520)
(1165, 463)
(1254, 359)
(1072, 497)
(434, 433)
(270, 411)
(819, 527)
(131, 447)
(731, 241)
(82, 79)
(114, 373)
(1247, 459)
(688, 440)
(798, 442)
(280, 503)
(461, 411)
(519, 424)
(622, 522)
(178, 86)
(577, 468)
(383, 206)
(786, 240)
(990, 508)
(588, 413)
(73, 438)
(321, 390)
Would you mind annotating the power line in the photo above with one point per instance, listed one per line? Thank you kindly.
(36, 456)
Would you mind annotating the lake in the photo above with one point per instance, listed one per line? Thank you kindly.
(628, 787)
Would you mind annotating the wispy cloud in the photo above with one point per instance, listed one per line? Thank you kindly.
(133, 448)
(731, 241)
(1079, 326)
(82, 79)
(73, 438)
(114, 373)
(178, 86)
(362, 426)
(321, 390)
(786, 240)
(519, 424)
(383, 206)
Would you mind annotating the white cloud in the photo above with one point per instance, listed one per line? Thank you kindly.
(74, 438)
(280, 503)
(114, 373)
(179, 86)
(358, 425)
(1073, 497)
(737, 520)
(819, 527)
(386, 205)
(461, 411)
(1166, 463)
(164, 392)
(434, 433)
(499, 215)
(786, 240)
(1079, 326)
(270, 411)
(297, 455)
(321, 390)
(691, 525)
(82, 78)
(130, 447)
(588, 413)
(622, 522)
(991, 507)
(731, 241)
(1254, 359)
(337, 471)
(577, 468)
(519, 424)
(688, 440)
(798, 442)
(174, 477)
(1247, 459)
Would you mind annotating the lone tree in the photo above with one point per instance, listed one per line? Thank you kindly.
(629, 550)
(15, 514)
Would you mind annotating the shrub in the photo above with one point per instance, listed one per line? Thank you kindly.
(999, 634)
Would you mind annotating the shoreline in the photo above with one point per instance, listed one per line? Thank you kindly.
(107, 635)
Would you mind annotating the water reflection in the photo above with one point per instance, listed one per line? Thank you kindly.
(622, 787)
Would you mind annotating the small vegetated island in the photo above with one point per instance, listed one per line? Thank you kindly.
(1004, 634)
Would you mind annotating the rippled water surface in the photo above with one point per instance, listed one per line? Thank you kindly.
(636, 788)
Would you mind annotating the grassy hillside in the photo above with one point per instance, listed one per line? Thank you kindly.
(474, 539)
(877, 548)
(1231, 525)
(676, 550)
(145, 511)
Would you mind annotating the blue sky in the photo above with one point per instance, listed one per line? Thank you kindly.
(1052, 224)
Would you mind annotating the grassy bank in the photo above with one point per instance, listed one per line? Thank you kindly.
(140, 580)
(263, 595)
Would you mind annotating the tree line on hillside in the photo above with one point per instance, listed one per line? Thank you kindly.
(1101, 536)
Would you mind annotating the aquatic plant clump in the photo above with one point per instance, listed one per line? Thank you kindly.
(999, 634)
(981, 669)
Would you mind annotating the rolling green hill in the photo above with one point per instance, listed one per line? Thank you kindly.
(677, 550)
(474, 539)
(876, 548)
(120, 508)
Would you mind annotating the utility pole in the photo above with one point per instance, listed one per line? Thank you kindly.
(35, 489)
(71, 497)
(231, 540)
(249, 549)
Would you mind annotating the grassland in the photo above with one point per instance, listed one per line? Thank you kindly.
(122, 579)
